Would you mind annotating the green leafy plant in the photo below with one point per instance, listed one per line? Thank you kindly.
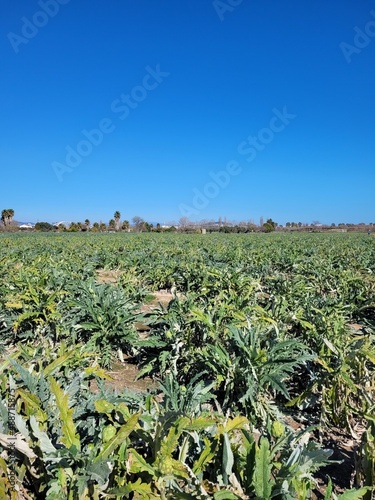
(103, 318)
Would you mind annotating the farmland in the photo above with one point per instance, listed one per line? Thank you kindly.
(256, 370)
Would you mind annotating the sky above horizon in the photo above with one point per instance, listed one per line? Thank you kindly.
(204, 109)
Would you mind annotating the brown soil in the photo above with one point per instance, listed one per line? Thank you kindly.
(123, 376)
(107, 276)
(162, 297)
(355, 327)
(344, 448)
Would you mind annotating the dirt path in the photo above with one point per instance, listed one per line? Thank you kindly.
(123, 375)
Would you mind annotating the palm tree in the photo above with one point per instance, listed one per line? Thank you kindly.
(117, 217)
(7, 216)
(125, 225)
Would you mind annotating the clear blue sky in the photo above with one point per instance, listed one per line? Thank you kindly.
(180, 89)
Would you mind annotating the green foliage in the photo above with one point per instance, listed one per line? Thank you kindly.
(260, 327)
(269, 226)
(262, 474)
(44, 227)
(103, 317)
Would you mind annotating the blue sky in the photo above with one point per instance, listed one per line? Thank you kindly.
(165, 108)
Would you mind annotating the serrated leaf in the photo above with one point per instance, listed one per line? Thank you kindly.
(170, 442)
(225, 495)
(262, 472)
(235, 423)
(69, 437)
(98, 372)
(143, 489)
(205, 458)
(199, 423)
(32, 405)
(103, 406)
(354, 494)
(59, 362)
(138, 464)
(120, 436)
(45, 443)
(29, 380)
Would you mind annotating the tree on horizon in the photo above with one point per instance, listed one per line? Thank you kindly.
(117, 217)
(269, 226)
(6, 216)
(138, 222)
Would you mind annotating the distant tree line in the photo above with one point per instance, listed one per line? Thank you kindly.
(184, 225)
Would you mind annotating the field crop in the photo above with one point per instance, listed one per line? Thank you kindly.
(260, 366)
